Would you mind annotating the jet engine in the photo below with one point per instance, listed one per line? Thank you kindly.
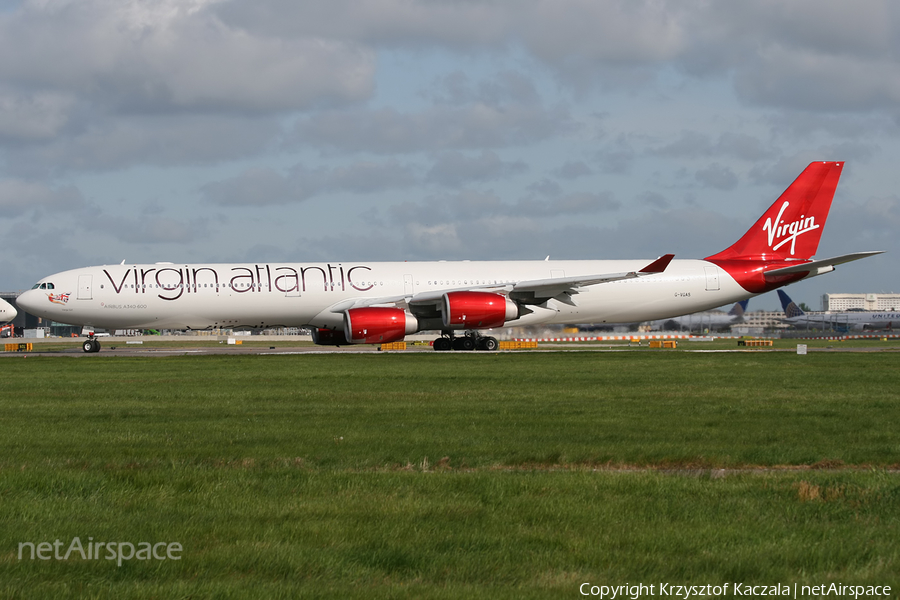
(477, 310)
(378, 325)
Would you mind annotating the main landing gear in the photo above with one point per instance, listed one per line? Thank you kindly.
(91, 344)
(470, 341)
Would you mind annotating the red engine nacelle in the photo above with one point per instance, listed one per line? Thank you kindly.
(378, 325)
(329, 337)
(477, 310)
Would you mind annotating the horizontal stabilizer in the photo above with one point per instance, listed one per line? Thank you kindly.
(818, 267)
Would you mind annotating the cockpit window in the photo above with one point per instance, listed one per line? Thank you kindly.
(50, 286)
(44, 286)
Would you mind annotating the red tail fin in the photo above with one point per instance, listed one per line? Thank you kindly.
(791, 228)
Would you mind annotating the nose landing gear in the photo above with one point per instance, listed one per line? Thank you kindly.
(91, 344)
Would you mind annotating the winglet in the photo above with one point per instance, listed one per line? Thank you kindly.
(659, 265)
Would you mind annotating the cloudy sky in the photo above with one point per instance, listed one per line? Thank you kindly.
(277, 130)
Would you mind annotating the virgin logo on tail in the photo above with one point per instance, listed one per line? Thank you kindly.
(787, 232)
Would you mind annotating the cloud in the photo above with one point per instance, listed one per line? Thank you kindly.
(387, 130)
(546, 187)
(267, 187)
(694, 144)
(472, 224)
(814, 56)
(154, 229)
(455, 169)
(135, 56)
(107, 145)
(577, 203)
(618, 156)
(818, 54)
(626, 30)
(718, 177)
(33, 117)
(505, 234)
(255, 187)
(799, 124)
(811, 81)
(496, 122)
(573, 169)
(504, 88)
(653, 200)
(869, 224)
(18, 197)
(783, 171)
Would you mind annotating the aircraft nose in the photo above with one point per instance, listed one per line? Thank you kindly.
(7, 312)
(28, 301)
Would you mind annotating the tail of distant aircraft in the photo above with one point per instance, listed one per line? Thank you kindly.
(739, 308)
(790, 307)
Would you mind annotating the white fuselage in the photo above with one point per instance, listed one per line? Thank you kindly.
(202, 296)
(847, 320)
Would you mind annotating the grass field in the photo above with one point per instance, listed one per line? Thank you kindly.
(450, 475)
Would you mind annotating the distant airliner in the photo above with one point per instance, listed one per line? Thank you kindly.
(704, 320)
(7, 312)
(371, 303)
(849, 320)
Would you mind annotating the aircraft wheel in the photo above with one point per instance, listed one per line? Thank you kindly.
(488, 343)
(88, 346)
(464, 343)
(441, 344)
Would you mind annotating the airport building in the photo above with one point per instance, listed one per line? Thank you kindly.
(866, 302)
(763, 319)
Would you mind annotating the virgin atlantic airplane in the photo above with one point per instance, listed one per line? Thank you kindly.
(372, 303)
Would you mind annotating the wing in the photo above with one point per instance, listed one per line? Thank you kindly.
(536, 291)
(539, 291)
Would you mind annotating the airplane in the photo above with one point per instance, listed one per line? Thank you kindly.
(372, 303)
(704, 320)
(849, 320)
(7, 312)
